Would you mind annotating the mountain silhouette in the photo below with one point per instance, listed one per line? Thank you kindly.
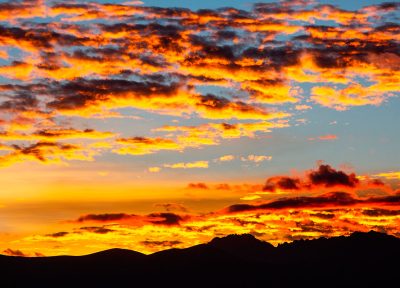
(244, 246)
(359, 260)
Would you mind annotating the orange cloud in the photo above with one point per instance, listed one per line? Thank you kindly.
(163, 218)
(11, 11)
(353, 95)
(142, 145)
(333, 199)
(226, 158)
(197, 186)
(213, 132)
(327, 137)
(154, 169)
(17, 70)
(92, 59)
(389, 175)
(46, 153)
(12, 252)
(56, 134)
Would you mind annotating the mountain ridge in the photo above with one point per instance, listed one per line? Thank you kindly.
(360, 259)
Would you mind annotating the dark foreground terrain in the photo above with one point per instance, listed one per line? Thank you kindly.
(360, 260)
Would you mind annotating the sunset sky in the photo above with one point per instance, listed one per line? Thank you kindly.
(156, 124)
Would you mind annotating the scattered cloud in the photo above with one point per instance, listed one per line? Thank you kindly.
(256, 158)
(47, 153)
(225, 158)
(187, 165)
(389, 175)
(328, 137)
(303, 107)
(154, 169)
(91, 60)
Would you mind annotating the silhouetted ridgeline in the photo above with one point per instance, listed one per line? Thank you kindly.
(360, 260)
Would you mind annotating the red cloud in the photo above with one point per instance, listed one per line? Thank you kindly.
(324, 177)
(332, 199)
(162, 218)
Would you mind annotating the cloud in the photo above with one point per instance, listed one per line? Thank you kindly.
(329, 177)
(47, 153)
(216, 107)
(284, 183)
(303, 107)
(188, 165)
(162, 218)
(82, 96)
(55, 134)
(19, 253)
(90, 60)
(20, 9)
(197, 186)
(133, 3)
(250, 197)
(328, 137)
(145, 145)
(165, 244)
(324, 177)
(96, 230)
(276, 221)
(213, 133)
(172, 207)
(256, 158)
(332, 199)
(379, 212)
(389, 175)
(104, 217)
(236, 188)
(225, 158)
(165, 218)
(58, 234)
(11, 252)
(154, 169)
(353, 95)
(333, 206)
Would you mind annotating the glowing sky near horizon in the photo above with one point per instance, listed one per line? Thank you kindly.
(149, 125)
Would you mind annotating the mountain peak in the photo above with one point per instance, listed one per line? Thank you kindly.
(235, 238)
(245, 246)
(373, 236)
(117, 253)
(371, 233)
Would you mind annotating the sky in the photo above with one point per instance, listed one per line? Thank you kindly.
(150, 125)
